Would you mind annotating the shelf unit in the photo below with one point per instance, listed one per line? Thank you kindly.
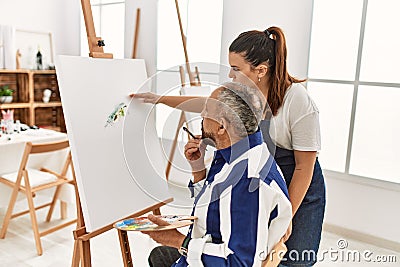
(28, 86)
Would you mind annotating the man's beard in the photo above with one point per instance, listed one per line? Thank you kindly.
(207, 137)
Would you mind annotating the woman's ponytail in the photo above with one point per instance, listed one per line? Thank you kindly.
(279, 78)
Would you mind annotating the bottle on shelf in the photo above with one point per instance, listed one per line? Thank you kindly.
(39, 60)
(10, 126)
(17, 126)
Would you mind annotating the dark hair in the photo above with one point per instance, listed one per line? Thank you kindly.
(267, 47)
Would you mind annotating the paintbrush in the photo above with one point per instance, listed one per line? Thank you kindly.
(192, 135)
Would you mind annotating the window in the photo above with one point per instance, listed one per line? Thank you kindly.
(336, 116)
(377, 124)
(202, 26)
(355, 81)
(334, 41)
(109, 23)
(381, 43)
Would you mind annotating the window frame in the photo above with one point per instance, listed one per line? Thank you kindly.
(346, 175)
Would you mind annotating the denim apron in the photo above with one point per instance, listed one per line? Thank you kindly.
(304, 241)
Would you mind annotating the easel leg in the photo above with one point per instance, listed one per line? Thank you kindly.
(76, 259)
(84, 247)
(125, 249)
(78, 255)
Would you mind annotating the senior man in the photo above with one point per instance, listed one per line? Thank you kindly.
(242, 202)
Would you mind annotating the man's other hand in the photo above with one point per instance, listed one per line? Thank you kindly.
(172, 238)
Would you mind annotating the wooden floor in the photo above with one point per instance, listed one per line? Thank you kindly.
(18, 248)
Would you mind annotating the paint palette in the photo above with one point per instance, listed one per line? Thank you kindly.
(144, 224)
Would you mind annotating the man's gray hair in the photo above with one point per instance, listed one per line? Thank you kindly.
(242, 106)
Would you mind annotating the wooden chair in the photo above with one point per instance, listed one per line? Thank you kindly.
(29, 181)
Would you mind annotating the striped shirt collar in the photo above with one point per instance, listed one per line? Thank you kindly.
(231, 153)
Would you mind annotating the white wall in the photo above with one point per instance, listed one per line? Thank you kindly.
(238, 16)
(147, 39)
(57, 16)
(294, 17)
(364, 206)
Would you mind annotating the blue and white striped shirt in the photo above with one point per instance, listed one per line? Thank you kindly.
(243, 208)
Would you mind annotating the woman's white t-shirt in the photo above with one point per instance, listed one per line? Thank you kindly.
(296, 125)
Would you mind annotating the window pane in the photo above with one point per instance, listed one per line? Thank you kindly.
(169, 47)
(381, 42)
(205, 30)
(375, 151)
(202, 26)
(334, 103)
(334, 39)
(113, 29)
(84, 39)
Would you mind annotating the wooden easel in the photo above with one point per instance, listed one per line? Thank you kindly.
(81, 253)
(95, 43)
(136, 36)
(194, 80)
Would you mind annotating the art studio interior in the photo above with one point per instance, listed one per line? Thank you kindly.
(92, 136)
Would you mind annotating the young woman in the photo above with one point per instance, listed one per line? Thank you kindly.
(258, 58)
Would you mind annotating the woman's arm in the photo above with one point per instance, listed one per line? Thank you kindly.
(302, 177)
(185, 103)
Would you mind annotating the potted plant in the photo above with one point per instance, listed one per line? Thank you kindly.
(5, 94)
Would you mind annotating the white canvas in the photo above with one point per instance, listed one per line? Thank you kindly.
(119, 168)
